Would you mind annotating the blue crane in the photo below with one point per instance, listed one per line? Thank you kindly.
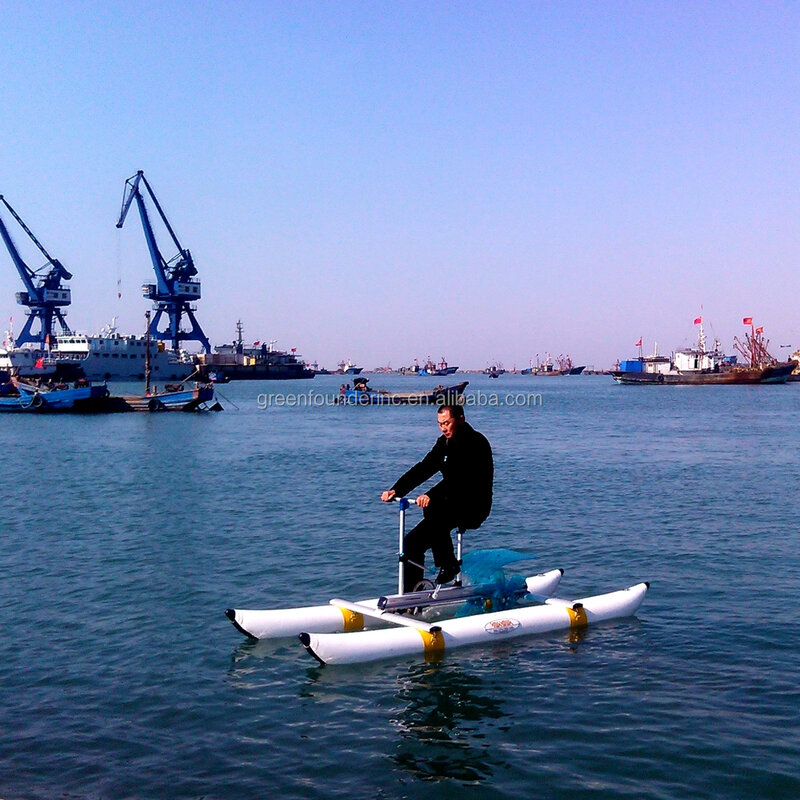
(44, 295)
(175, 288)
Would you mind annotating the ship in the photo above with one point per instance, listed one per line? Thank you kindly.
(106, 356)
(494, 371)
(442, 368)
(47, 354)
(701, 366)
(348, 368)
(563, 366)
(261, 361)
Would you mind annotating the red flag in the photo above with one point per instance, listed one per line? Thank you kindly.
(760, 330)
(39, 363)
(698, 320)
(294, 349)
(639, 343)
(256, 344)
(747, 321)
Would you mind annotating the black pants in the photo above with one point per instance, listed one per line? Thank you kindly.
(433, 534)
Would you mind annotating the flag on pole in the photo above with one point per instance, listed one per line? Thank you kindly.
(639, 343)
(698, 320)
(760, 330)
(39, 363)
(747, 321)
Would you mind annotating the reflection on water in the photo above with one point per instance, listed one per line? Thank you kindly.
(441, 721)
(248, 661)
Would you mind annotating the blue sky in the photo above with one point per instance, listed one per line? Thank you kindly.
(484, 181)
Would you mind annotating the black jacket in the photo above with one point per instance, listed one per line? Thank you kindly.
(467, 468)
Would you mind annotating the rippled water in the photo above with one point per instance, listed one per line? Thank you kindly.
(126, 537)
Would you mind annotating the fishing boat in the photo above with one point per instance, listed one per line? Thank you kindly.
(437, 370)
(172, 397)
(702, 366)
(363, 395)
(547, 368)
(348, 368)
(81, 396)
(483, 605)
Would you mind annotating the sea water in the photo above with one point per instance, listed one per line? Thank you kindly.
(125, 538)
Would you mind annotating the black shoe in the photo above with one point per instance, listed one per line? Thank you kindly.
(447, 574)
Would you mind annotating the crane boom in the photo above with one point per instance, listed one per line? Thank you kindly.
(44, 296)
(174, 289)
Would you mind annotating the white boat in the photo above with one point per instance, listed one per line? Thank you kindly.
(431, 640)
(107, 356)
(432, 620)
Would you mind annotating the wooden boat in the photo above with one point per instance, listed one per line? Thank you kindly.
(174, 397)
(363, 395)
(199, 397)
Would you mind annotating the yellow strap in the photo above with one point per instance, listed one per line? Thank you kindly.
(353, 621)
(577, 617)
(433, 641)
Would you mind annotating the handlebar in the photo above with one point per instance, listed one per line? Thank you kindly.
(404, 502)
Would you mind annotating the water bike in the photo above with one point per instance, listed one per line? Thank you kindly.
(482, 605)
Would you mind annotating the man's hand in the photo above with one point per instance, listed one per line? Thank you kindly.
(423, 500)
(388, 496)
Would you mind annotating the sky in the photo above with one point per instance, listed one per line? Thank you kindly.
(379, 181)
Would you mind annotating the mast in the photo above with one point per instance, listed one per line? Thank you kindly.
(147, 354)
(239, 337)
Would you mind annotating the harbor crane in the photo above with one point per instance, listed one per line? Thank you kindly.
(44, 295)
(175, 287)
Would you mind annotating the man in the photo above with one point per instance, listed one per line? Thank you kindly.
(462, 499)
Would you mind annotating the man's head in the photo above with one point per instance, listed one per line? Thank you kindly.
(450, 419)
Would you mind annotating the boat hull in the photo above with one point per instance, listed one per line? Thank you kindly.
(441, 395)
(32, 399)
(280, 623)
(355, 648)
(223, 373)
(192, 399)
(778, 373)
